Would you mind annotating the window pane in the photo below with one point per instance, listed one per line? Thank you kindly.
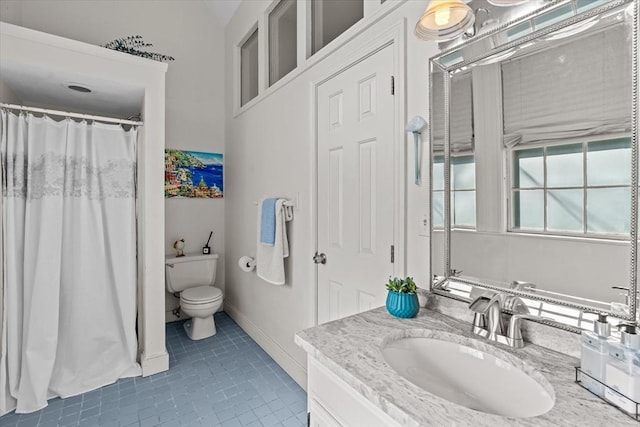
(553, 16)
(528, 209)
(564, 166)
(588, 4)
(464, 208)
(518, 31)
(608, 210)
(464, 173)
(438, 173)
(330, 18)
(283, 34)
(609, 162)
(565, 210)
(249, 69)
(528, 168)
(438, 209)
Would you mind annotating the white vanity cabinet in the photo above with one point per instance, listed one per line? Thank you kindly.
(333, 403)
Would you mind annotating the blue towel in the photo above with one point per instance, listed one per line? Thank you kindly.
(268, 222)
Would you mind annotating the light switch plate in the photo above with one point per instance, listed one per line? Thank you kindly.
(423, 229)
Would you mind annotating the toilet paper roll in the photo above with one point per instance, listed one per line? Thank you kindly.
(246, 263)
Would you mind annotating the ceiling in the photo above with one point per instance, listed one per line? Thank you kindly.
(47, 87)
(223, 10)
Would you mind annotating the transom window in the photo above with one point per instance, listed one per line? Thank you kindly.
(249, 68)
(283, 21)
(581, 188)
(330, 18)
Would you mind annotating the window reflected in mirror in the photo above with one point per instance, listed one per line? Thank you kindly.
(581, 189)
(463, 170)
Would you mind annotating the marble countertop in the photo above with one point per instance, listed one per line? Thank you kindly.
(350, 348)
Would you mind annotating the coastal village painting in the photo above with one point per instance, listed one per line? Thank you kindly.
(193, 174)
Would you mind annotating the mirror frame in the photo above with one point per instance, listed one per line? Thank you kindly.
(437, 284)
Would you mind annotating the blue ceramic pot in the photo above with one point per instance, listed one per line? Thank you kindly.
(402, 305)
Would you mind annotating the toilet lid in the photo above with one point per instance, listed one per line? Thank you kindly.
(201, 294)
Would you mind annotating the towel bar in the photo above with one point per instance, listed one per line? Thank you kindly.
(288, 203)
(289, 207)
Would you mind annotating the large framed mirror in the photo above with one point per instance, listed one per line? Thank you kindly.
(534, 162)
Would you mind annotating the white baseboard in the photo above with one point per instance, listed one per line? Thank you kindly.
(154, 364)
(273, 349)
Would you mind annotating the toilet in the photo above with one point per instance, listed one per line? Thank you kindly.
(192, 276)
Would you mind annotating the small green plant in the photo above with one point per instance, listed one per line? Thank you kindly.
(132, 46)
(403, 286)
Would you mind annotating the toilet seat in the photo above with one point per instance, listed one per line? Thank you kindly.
(201, 295)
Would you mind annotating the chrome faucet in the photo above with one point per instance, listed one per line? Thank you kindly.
(487, 321)
(494, 319)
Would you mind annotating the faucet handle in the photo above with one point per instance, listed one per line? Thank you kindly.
(481, 303)
(515, 305)
(514, 331)
(455, 273)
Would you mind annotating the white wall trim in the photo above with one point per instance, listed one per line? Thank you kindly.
(313, 191)
(400, 144)
(394, 35)
(154, 364)
(278, 354)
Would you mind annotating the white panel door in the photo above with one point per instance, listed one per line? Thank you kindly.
(355, 187)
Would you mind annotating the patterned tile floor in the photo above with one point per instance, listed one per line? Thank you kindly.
(226, 380)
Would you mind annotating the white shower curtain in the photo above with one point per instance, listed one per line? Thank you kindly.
(69, 258)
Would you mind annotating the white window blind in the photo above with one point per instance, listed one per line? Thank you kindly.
(573, 90)
(461, 113)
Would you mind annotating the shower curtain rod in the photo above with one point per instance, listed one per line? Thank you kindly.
(69, 114)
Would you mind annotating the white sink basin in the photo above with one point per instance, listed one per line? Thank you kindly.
(470, 376)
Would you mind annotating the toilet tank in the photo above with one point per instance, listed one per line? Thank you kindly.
(190, 271)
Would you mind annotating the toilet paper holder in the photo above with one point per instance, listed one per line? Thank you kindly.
(246, 263)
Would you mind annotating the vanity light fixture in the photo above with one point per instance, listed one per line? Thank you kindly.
(444, 20)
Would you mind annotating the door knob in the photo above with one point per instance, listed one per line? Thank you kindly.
(320, 258)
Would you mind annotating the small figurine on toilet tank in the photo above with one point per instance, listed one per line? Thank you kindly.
(178, 245)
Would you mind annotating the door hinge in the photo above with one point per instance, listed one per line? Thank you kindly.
(393, 253)
(393, 85)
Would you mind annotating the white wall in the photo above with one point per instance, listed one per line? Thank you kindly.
(186, 30)
(6, 94)
(567, 265)
(270, 145)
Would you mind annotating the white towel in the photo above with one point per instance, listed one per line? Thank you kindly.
(270, 259)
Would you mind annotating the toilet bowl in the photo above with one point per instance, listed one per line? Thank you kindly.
(193, 278)
(200, 304)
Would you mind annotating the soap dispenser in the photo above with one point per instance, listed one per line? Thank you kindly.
(622, 373)
(595, 351)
